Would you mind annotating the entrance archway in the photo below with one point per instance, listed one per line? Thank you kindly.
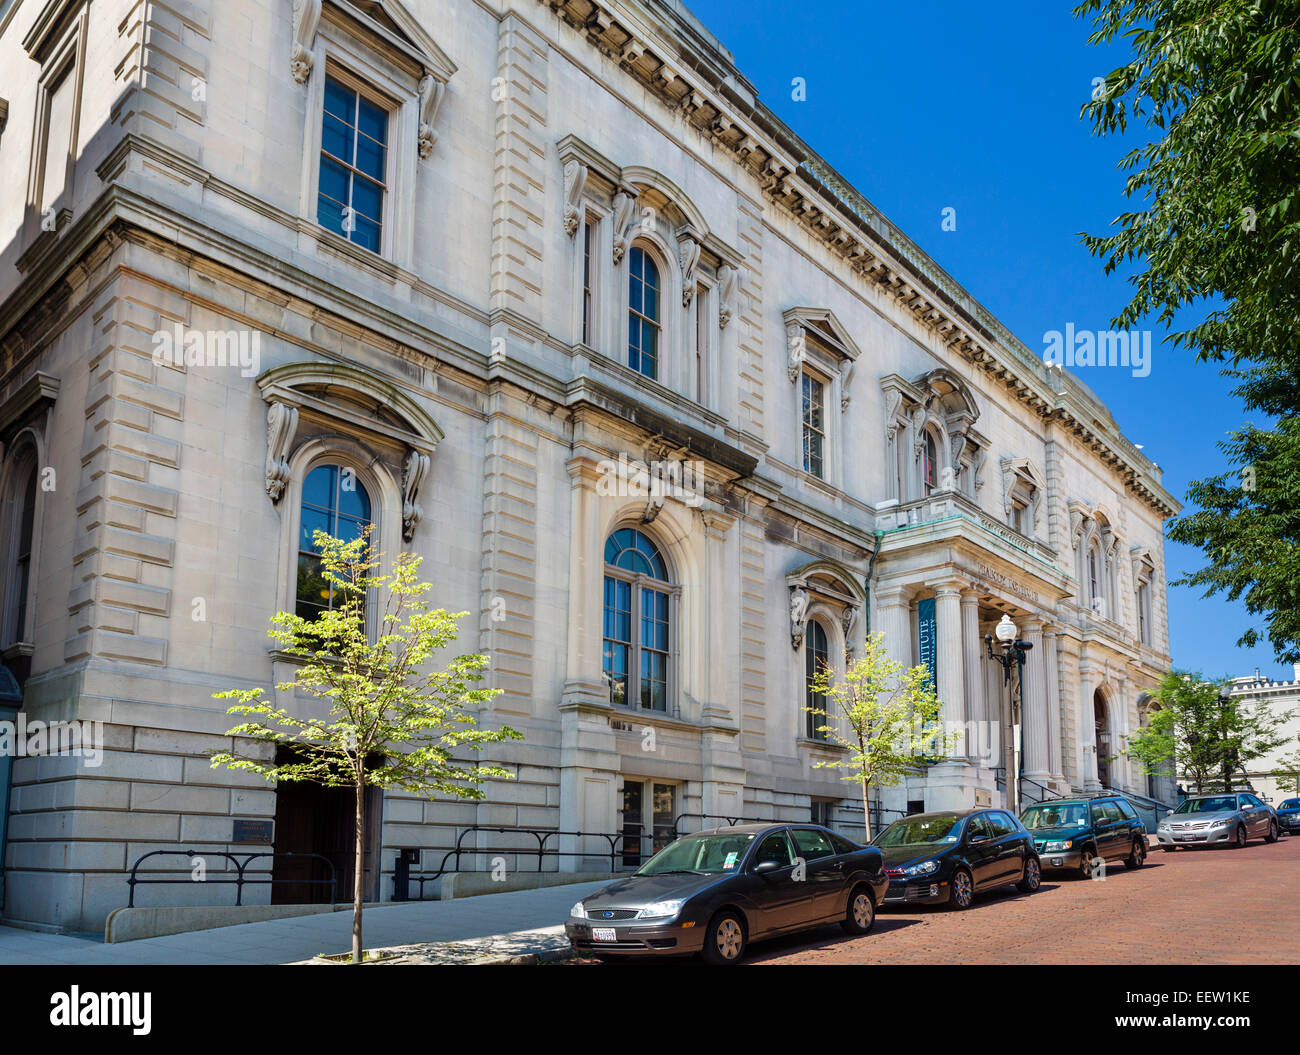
(1101, 722)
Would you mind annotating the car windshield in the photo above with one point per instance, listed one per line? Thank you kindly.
(916, 831)
(1290, 804)
(699, 855)
(1055, 815)
(1213, 804)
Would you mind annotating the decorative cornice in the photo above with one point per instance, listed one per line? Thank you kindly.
(797, 180)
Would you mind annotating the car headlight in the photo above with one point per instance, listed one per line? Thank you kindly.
(1221, 824)
(578, 912)
(662, 909)
(923, 869)
(1058, 846)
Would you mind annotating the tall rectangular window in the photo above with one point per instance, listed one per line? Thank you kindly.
(58, 137)
(701, 344)
(814, 426)
(353, 164)
(588, 234)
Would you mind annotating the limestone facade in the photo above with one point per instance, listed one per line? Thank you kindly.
(575, 236)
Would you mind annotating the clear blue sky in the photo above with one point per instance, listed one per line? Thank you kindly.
(944, 103)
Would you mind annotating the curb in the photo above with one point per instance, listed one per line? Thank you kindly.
(527, 959)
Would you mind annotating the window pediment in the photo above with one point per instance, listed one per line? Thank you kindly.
(387, 26)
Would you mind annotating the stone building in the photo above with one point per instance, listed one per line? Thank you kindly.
(1271, 776)
(445, 268)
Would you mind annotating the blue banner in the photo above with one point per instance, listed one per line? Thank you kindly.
(927, 640)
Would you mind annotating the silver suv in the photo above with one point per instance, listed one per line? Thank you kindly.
(1230, 818)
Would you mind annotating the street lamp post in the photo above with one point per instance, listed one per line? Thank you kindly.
(1012, 655)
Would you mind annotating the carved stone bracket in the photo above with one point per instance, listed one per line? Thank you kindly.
(849, 622)
(796, 339)
(728, 280)
(688, 255)
(575, 181)
(624, 205)
(306, 17)
(432, 92)
(414, 470)
(281, 424)
(798, 615)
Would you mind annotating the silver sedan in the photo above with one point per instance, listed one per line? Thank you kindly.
(1226, 819)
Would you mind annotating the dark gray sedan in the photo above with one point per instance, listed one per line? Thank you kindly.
(715, 891)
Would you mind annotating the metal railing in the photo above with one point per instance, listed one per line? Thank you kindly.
(241, 863)
(539, 848)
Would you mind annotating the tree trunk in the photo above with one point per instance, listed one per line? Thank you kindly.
(866, 810)
(359, 872)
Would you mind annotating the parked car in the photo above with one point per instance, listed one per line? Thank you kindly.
(1288, 816)
(1074, 834)
(949, 857)
(716, 891)
(1232, 818)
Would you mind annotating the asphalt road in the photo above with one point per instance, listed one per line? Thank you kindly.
(1208, 906)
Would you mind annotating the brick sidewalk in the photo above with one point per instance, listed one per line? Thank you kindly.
(1194, 906)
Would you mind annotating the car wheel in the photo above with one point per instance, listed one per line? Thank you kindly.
(1138, 856)
(1032, 878)
(725, 941)
(1272, 835)
(1087, 864)
(860, 915)
(1241, 836)
(962, 892)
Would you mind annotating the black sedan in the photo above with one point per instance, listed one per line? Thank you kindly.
(947, 858)
(1288, 816)
(715, 891)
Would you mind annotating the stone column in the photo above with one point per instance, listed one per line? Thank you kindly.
(951, 673)
(583, 679)
(1033, 711)
(1051, 654)
(973, 677)
(894, 612)
(1087, 724)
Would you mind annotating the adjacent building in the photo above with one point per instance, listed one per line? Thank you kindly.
(545, 293)
(1275, 776)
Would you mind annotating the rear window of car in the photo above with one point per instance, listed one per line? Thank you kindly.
(1000, 823)
(843, 845)
(1126, 808)
(812, 844)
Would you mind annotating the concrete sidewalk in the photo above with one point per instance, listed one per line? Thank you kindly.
(511, 923)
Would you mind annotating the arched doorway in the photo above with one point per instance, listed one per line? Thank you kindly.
(1101, 723)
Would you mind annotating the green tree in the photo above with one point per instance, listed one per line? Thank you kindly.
(1215, 233)
(885, 717)
(387, 717)
(1287, 773)
(1202, 734)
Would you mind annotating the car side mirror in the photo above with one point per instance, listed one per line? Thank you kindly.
(1169, 813)
(766, 867)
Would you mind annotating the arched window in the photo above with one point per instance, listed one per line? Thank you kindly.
(643, 322)
(336, 502)
(637, 621)
(1095, 596)
(929, 466)
(21, 530)
(817, 658)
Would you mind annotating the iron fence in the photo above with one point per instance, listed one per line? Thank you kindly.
(240, 880)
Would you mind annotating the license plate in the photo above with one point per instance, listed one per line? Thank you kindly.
(603, 934)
